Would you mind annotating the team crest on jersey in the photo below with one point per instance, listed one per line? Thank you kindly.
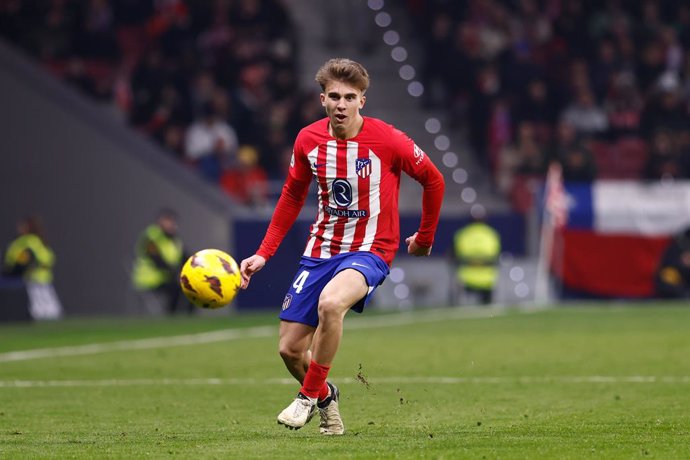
(363, 167)
(286, 301)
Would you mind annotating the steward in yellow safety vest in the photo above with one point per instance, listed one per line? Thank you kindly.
(159, 258)
(477, 248)
(28, 255)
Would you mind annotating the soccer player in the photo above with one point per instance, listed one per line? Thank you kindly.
(356, 162)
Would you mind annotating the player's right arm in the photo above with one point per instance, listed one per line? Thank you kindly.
(249, 266)
(289, 205)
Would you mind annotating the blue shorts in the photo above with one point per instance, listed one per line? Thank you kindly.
(302, 299)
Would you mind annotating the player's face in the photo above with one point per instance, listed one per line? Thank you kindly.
(342, 103)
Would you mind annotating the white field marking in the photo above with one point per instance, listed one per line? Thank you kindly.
(140, 344)
(223, 335)
(592, 379)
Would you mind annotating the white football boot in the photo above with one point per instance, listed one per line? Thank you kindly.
(298, 413)
(331, 423)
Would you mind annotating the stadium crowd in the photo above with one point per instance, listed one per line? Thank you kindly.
(212, 81)
(602, 87)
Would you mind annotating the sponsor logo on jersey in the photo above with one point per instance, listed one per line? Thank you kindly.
(345, 212)
(363, 167)
(342, 192)
(418, 154)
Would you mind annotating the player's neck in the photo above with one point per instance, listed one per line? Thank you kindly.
(348, 133)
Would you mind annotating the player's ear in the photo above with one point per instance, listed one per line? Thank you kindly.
(362, 100)
(323, 99)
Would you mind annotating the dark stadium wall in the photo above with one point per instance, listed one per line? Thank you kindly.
(95, 183)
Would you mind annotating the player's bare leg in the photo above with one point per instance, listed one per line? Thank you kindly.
(339, 295)
(295, 340)
(346, 289)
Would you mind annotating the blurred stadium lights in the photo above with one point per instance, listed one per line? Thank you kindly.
(383, 19)
(401, 291)
(468, 195)
(522, 290)
(478, 211)
(517, 274)
(415, 89)
(399, 54)
(442, 142)
(375, 4)
(397, 275)
(391, 37)
(406, 72)
(432, 125)
(460, 176)
(450, 160)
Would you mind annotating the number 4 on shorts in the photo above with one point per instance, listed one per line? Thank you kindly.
(299, 282)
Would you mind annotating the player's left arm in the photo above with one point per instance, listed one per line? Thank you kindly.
(415, 162)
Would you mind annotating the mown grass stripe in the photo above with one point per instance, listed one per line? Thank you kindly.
(588, 379)
(402, 319)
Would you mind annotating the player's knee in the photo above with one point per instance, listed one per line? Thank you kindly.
(289, 352)
(330, 307)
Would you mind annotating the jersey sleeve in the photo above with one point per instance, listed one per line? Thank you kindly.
(289, 204)
(417, 165)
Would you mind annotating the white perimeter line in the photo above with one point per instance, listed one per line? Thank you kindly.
(594, 379)
(253, 332)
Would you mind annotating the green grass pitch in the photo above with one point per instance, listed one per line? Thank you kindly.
(569, 383)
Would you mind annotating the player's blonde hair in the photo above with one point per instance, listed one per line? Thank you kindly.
(344, 70)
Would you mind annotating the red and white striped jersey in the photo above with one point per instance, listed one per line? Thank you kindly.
(358, 183)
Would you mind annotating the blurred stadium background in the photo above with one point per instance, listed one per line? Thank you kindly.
(99, 98)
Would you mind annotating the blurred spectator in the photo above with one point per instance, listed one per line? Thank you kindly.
(525, 157)
(578, 164)
(163, 62)
(666, 108)
(435, 76)
(612, 69)
(477, 247)
(159, 258)
(623, 105)
(481, 103)
(537, 105)
(247, 182)
(672, 278)
(96, 37)
(664, 160)
(585, 115)
(604, 68)
(30, 257)
(173, 140)
(211, 144)
(75, 75)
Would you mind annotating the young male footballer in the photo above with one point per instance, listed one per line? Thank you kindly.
(356, 162)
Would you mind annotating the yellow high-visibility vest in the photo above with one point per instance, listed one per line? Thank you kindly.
(41, 269)
(477, 247)
(146, 275)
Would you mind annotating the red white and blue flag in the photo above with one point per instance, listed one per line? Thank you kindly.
(615, 234)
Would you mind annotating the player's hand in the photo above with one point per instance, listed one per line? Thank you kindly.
(249, 266)
(415, 249)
